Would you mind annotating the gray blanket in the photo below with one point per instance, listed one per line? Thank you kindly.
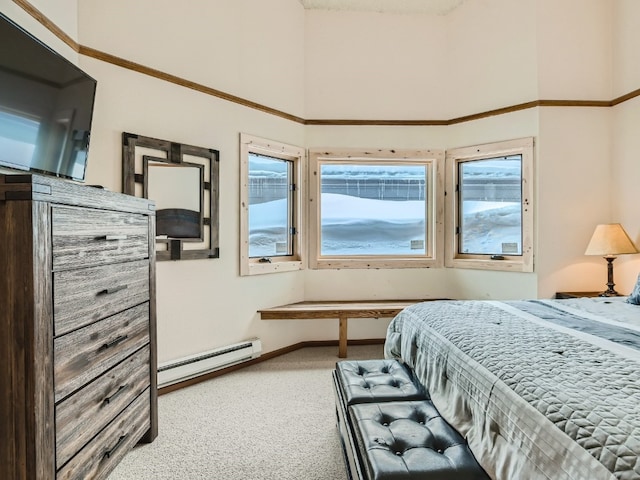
(534, 389)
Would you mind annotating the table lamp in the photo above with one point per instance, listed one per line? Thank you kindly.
(608, 241)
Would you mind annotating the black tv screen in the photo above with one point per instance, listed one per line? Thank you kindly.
(46, 107)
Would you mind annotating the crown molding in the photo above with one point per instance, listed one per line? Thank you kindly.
(48, 24)
(152, 72)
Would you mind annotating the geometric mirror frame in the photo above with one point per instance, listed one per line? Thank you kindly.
(183, 180)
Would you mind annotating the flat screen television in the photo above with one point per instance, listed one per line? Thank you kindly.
(46, 107)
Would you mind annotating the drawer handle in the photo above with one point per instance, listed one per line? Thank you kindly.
(113, 343)
(108, 291)
(121, 440)
(110, 238)
(118, 392)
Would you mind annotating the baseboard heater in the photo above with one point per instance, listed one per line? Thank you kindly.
(195, 365)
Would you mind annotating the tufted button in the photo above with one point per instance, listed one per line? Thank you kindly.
(387, 381)
(420, 432)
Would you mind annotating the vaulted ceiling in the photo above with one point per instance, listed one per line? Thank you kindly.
(430, 7)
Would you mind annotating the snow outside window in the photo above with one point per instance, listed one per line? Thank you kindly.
(490, 202)
(490, 211)
(271, 224)
(374, 210)
(271, 186)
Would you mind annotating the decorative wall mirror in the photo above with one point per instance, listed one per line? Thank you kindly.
(183, 180)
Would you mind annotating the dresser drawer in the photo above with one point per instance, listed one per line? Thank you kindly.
(84, 354)
(97, 459)
(89, 294)
(86, 412)
(84, 237)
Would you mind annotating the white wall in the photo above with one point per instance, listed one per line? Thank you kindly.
(364, 65)
(574, 39)
(230, 46)
(625, 159)
(429, 68)
(250, 49)
(491, 56)
(63, 13)
(201, 303)
(574, 191)
(485, 55)
(626, 36)
(586, 51)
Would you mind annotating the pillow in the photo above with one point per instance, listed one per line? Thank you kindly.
(635, 295)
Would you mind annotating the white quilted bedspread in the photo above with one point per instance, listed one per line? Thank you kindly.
(535, 400)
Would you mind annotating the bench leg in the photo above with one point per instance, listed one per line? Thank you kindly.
(342, 337)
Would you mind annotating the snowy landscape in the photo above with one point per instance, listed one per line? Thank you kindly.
(356, 226)
(352, 225)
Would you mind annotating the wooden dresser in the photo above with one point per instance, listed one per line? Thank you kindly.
(77, 328)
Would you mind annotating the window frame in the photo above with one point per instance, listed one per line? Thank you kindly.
(515, 263)
(432, 158)
(286, 263)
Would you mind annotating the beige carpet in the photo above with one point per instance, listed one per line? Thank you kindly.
(274, 420)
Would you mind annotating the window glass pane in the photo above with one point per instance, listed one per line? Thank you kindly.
(373, 209)
(18, 138)
(270, 210)
(490, 199)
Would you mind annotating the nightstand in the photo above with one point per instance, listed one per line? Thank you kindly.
(566, 295)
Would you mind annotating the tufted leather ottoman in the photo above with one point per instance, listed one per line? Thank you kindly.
(368, 381)
(410, 440)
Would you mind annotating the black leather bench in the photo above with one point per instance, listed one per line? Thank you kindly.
(391, 430)
(369, 381)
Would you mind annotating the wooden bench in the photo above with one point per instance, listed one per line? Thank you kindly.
(342, 310)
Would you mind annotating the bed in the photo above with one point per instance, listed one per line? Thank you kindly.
(541, 389)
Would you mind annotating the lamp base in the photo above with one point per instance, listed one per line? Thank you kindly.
(609, 293)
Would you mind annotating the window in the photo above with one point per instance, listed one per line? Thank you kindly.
(270, 216)
(375, 209)
(490, 206)
(271, 187)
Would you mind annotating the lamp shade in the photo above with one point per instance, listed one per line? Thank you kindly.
(609, 240)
